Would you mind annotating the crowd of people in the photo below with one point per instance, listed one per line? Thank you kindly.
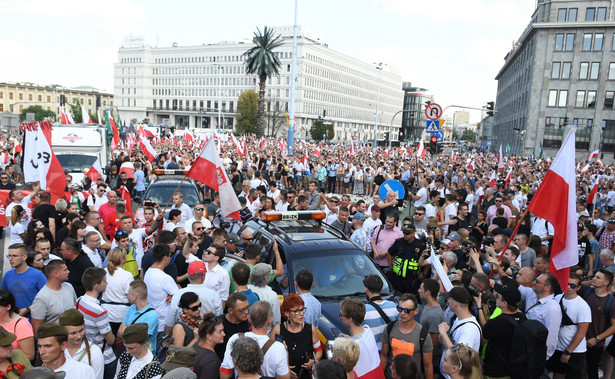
(102, 290)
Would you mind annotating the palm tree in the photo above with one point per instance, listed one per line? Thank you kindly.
(263, 62)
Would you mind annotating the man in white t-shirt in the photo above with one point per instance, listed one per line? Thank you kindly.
(17, 198)
(371, 224)
(569, 357)
(98, 198)
(465, 329)
(275, 362)
(160, 287)
(421, 195)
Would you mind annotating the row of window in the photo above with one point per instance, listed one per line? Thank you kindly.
(225, 58)
(178, 104)
(39, 98)
(193, 92)
(587, 70)
(242, 81)
(583, 99)
(591, 14)
(591, 42)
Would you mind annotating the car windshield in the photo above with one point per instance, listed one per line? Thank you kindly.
(161, 192)
(337, 273)
(76, 162)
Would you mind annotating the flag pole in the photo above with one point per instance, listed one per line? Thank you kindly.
(511, 238)
(174, 192)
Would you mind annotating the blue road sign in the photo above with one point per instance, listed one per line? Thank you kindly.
(433, 126)
(439, 135)
(392, 185)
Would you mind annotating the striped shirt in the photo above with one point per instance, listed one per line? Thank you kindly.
(375, 321)
(96, 324)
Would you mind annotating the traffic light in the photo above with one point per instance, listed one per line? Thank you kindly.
(434, 145)
(490, 107)
(62, 100)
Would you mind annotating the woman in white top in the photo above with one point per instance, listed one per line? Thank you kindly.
(115, 297)
(18, 224)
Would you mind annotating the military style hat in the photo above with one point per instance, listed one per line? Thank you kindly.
(71, 317)
(6, 337)
(135, 333)
(51, 329)
(179, 356)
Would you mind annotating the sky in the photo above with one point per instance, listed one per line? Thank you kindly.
(452, 48)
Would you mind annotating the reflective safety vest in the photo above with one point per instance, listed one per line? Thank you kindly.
(131, 263)
(406, 267)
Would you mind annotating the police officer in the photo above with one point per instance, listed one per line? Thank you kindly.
(405, 259)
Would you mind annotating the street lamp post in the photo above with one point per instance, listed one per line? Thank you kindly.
(293, 78)
(379, 68)
(219, 94)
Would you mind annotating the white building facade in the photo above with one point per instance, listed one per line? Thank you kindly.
(196, 86)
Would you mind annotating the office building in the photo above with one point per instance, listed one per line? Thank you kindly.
(413, 118)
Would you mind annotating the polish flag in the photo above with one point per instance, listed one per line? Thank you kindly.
(189, 138)
(508, 176)
(95, 171)
(599, 163)
(305, 163)
(127, 199)
(420, 150)
(585, 168)
(85, 116)
(244, 147)
(593, 155)
(115, 140)
(592, 194)
(67, 119)
(208, 169)
(237, 144)
(100, 121)
(453, 156)
(471, 166)
(500, 162)
(18, 148)
(262, 143)
(147, 149)
(50, 172)
(555, 201)
(492, 180)
(128, 168)
(352, 149)
(316, 152)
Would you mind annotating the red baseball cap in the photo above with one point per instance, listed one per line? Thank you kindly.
(197, 268)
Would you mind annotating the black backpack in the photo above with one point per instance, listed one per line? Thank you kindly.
(528, 349)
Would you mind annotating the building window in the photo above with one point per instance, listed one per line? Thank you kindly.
(21, 96)
(583, 136)
(553, 133)
(580, 102)
(591, 99)
(572, 14)
(563, 98)
(608, 136)
(552, 98)
(556, 70)
(609, 98)
(561, 14)
(40, 98)
(590, 14)
(569, 42)
(1, 95)
(595, 69)
(587, 41)
(584, 69)
(559, 42)
(601, 16)
(566, 69)
(10, 95)
(1, 107)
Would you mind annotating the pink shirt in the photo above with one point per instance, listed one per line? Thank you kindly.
(21, 328)
(384, 239)
(491, 212)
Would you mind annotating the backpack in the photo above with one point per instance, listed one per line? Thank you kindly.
(607, 307)
(528, 349)
(424, 334)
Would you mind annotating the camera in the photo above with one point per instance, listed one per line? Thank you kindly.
(148, 203)
(473, 290)
(488, 241)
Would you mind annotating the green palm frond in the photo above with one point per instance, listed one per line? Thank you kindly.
(261, 58)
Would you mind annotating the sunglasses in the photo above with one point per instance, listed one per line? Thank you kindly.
(209, 252)
(198, 209)
(195, 308)
(197, 229)
(405, 310)
(419, 214)
(247, 239)
(456, 350)
(572, 285)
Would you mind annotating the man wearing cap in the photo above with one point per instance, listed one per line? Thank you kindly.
(137, 361)
(406, 260)
(232, 245)
(52, 341)
(358, 236)
(210, 300)
(465, 328)
(140, 311)
(259, 280)
(606, 235)
(23, 281)
(498, 331)
(455, 245)
(79, 348)
(55, 297)
(179, 362)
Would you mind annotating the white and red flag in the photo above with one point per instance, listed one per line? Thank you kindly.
(599, 163)
(316, 152)
(592, 194)
(262, 143)
(352, 149)
(208, 169)
(40, 163)
(594, 154)
(147, 149)
(127, 199)
(555, 201)
(500, 162)
(85, 116)
(100, 119)
(420, 150)
(508, 176)
(452, 155)
(128, 168)
(95, 171)
(115, 140)
(492, 180)
(67, 118)
(471, 166)
(585, 168)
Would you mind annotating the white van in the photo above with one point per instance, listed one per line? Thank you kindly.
(78, 146)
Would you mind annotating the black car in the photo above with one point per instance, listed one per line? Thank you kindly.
(161, 189)
(338, 264)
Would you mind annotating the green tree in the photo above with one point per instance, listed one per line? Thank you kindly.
(39, 113)
(468, 135)
(320, 129)
(262, 62)
(247, 112)
(75, 110)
